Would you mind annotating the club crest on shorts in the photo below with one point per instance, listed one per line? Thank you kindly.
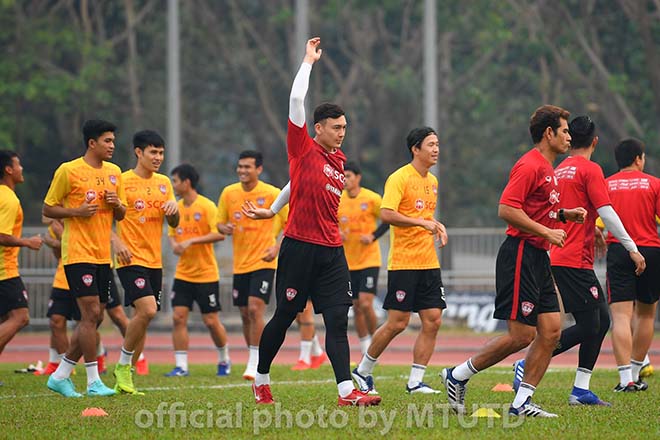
(234, 293)
(212, 301)
(526, 308)
(140, 283)
(594, 292)
(370, 282)
(400, 295)
(291, 293)
(113, 179)
(88, 279)
(264, 287)
(25, 295)
(90, 195)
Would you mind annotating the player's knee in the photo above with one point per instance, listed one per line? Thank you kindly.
(179, 319)
(57, 322)
(397, 326)
(211, 320)
(433, 324)
(522, 338)
(22, 318)
(254, 312)
(366, 304)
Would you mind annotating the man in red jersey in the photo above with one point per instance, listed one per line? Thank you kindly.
(526, 296)
(311, 258)
(581, 182)
(636, 197)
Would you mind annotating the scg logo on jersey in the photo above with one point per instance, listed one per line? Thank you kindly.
(329, 171)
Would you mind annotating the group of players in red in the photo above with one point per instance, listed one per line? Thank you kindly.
(552, 238)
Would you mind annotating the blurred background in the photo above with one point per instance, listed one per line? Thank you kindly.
(213, 76)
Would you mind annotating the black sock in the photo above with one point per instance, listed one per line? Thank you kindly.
(272, 338)
(336, 341)
(589, 330)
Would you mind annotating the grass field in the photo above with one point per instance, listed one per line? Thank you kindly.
(205, 406)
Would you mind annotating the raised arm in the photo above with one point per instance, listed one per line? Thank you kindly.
(301, 82)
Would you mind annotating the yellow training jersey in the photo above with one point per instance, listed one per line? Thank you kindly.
(251, 237)
(60, 282)
(142, 228)
(197, 264)
(358, 216)
(407, 192)
(86, 239)
(11, 223)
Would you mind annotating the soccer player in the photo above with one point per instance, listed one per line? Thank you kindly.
(414, 282)
(526, 296)
(635, 196)
(311, 259)
(138, 246)
(255, 248)
(88, 194)
(197, 277)
(311, 354)
(581, 182)
(13, 295)
(359, 211)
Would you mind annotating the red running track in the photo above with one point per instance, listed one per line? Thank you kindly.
(450, 349)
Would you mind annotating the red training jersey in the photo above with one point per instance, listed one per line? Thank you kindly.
(581, 183)
(533, 188)
(317, 180)
(636, 198)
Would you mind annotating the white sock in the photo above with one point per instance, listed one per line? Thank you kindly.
(60, 357)
(317, 350)
(345, 388)
(635, 367)
(181, 359)
(647, 360)
(526, 390)
(223, 354)
(416, 375)
(464, 371)
(253, 357)
(625, 374)
(53, 356)
(582, 378)
(141, 357)
(262, 379)
(125, 357)
(100, 349)
(367, 365)
(365, 343)
(92, 369)
(305, 351)
(64, 369)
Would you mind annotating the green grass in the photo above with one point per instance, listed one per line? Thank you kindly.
(29, 410)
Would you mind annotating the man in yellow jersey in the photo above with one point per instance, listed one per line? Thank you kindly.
(137, 245)
(414, 283)
(359, 211)
(13, 295)
(197, 277)
(88, 194)
(255, 248)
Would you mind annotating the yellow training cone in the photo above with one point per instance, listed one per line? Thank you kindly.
(486, 412)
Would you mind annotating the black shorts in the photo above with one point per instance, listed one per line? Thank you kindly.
(113, 297)
(206, 295)
(140, 281)
(364, 281)
(307, 270)
(579, 289)
(64, 304)
(258, 284)
(12, 295)
(87, 279)
(414, 290)
(623, 284)
(523, 282)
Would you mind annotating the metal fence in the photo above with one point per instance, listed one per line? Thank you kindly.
(468, 271)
